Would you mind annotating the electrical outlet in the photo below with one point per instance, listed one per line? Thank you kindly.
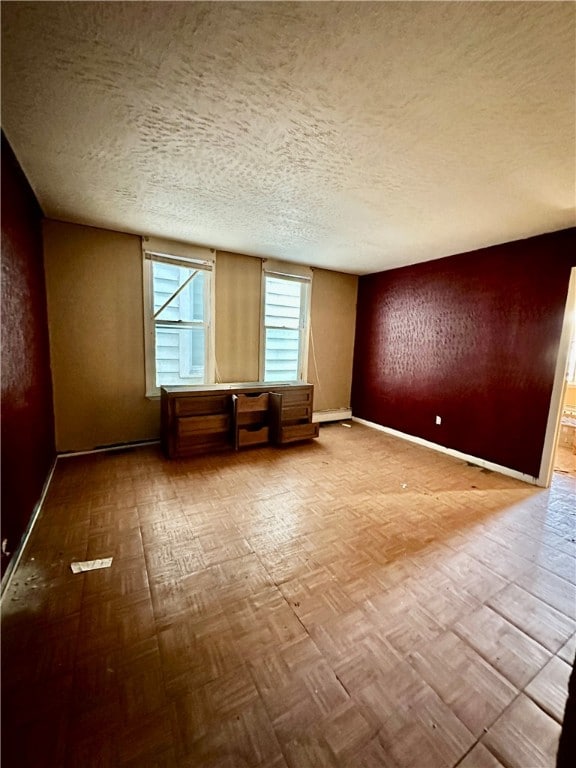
(438, 419)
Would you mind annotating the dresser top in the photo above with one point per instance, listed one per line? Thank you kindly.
(266, 386)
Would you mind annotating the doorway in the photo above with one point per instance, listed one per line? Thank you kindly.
(559, 453)
(565, 453)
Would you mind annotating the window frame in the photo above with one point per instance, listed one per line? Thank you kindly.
(293, 273)
(181, 255)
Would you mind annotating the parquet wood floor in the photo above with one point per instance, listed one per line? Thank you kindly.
(355, 602)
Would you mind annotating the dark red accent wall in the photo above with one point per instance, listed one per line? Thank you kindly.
(27, 413)
(472, 338)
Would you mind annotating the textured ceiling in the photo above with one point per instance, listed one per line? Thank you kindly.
(353, 136)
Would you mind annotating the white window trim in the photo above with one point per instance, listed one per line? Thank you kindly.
(155, 249)
(300, 274)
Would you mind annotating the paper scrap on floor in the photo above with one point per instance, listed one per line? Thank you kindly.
(91, 565)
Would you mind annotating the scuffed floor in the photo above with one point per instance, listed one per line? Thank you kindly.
(356, 601)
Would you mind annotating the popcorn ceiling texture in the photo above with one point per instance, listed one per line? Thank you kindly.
(353, 136)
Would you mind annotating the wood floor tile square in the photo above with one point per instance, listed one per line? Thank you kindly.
(214, 552)
(96, 681)
(549, 689)
(92, 750)
(263, 622)
(425, 733)
(109, 624)
(398, 688)
(194, 653)
(406, 625)
(198, 709)
(479, 757)
(369, 661)
(348, 729)
(524, 735)
(176, 530)
(474, 690)
(240, 578)
(141, 688)
(318, 602)
(247, 737)
(67, 535)
(473, 577)
(153, 509)
(558, 562)
(49, 652)
(297, 716)
(114, 515)
(324, 687)
(534, 617)
(440, 597)
(147, 739)
(112, 542)
(173, 560)
(300, 654)
(372, 755)
(297, 697)
(341, 637)
(309, 751)
(497, 557)
(568, 650)
(552, 589)
(515, 655)
(116, 582)
(286, 563)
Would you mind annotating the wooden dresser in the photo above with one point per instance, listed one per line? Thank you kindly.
(196, 420)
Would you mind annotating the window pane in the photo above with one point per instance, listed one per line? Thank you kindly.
(188, 305)
(282, 354)
(282, 303)
(180, 355)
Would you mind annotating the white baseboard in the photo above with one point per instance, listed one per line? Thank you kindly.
(15, 561)
(108, 448)
(451, 452)
(13, 564)
(334, 415)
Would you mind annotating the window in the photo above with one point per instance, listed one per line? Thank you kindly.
(178, 300)
(286, 309)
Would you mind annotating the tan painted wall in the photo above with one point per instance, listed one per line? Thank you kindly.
(333, 322)
(237, 316)
(95, 317)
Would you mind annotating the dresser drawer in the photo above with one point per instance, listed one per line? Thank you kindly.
(247, 436)
(298, 395)
(248, 403)
(296, 412)
(198, 425)
(190, 406)
(293, 432)
(200, 443)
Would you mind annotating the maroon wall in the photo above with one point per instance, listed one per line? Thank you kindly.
(27, 413)
(472, 338)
